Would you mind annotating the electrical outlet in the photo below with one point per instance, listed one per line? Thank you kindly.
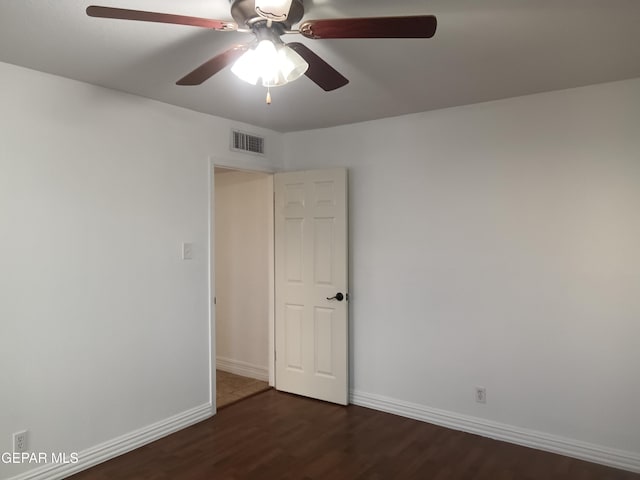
(481, 395)
(20, 441)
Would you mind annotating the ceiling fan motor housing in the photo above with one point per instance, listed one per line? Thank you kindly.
(244, 13)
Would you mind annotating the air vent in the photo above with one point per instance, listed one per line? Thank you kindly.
(244, 142)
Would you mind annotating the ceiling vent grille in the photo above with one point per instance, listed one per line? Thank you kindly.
(244, 142)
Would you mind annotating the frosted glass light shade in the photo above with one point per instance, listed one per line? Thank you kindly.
(292, 65)
(272, 66)
(277, 10)
(244, 67)
(259, 63)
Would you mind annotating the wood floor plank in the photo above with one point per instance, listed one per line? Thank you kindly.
(274, 435)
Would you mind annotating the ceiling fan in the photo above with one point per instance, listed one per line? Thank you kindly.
(268, 60)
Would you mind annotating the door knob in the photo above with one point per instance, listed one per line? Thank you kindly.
(338, 296)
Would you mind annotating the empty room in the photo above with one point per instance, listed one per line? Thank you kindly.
(410, 229)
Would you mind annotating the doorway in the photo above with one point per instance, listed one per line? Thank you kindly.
(243, 270)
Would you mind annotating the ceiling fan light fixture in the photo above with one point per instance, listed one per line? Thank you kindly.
(269, 64)
(272, 62)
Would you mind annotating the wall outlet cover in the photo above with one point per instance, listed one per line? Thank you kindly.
(481, 395)
(20, 441)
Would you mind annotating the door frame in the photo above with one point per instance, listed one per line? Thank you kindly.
(222, 162)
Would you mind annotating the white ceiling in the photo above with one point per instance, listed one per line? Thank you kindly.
(483, 50)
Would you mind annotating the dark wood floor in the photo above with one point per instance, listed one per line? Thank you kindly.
(278, 436)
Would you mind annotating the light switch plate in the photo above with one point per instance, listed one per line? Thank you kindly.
(187, 251)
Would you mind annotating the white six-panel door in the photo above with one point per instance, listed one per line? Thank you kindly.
(311, 261)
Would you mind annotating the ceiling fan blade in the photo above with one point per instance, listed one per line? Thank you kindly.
(213, 66)
(319, 71)
(125, 14)
(423, 26)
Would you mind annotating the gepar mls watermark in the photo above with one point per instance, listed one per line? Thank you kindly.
(40, 457)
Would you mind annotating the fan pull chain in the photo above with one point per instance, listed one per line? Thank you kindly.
(268, 96)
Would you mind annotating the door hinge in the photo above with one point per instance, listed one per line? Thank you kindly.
(215, 300)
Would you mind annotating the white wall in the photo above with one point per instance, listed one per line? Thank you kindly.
(498, 245)
(243, 247)
(103, 328)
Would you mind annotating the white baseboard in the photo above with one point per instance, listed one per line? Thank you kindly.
(242, 368)
(123, 444)
(499, 431)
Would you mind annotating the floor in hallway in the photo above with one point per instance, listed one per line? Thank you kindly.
(230, 388)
